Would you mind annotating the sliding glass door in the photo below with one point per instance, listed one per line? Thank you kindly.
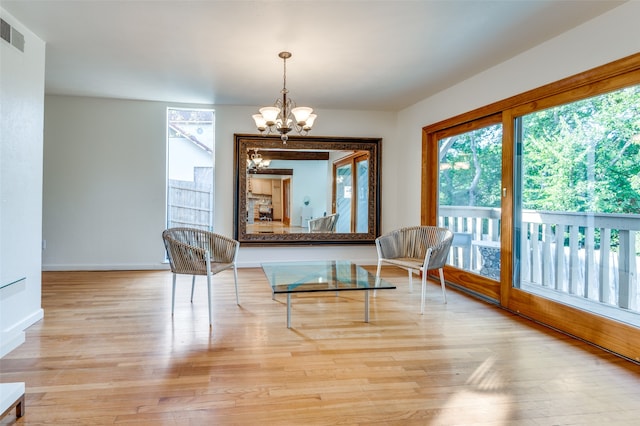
(577, 209)
(562, 199)
(362, 194)
(343, 195)
(351, 193)
(469, 195)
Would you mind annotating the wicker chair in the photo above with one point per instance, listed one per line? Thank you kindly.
(324, 223)
(198, 252)
(416, 249)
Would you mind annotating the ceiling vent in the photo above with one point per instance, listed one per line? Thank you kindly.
(5, 31)
(11, 35)
(17, 39)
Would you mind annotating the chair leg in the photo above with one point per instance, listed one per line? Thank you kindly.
(235, 279)
(444, 294)
(410, 280)
(424, 292)
(209, 299)
(193, 285)
(377, 283)
(173, 294)
(207, 260)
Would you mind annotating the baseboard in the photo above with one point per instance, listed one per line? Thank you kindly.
(10, 341)
(103, 267)
(165, 266)
(257, 264)
(13, 337)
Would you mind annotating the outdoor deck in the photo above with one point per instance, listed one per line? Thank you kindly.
(589, 260)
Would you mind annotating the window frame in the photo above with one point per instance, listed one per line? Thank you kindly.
(209, 226)
(610, 334)
(352, 161)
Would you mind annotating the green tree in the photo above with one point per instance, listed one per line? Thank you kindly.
(584, 156)
(470, 168)
(578, 157)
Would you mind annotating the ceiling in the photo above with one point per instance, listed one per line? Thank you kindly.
(347, 54)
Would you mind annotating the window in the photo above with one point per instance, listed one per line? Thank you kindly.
(343, 195)
(190, 143)
(362, 194)
(469, 196)
(351, 193)
(578, 207)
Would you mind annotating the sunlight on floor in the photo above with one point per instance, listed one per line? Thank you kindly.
(483, 402)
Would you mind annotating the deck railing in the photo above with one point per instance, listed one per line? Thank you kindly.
(592, 256)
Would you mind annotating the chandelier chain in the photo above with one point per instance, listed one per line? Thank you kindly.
(284, 76)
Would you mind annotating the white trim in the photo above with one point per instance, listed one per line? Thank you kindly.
(165, 266)
(10, 341)
(258, 264)
(13, 337)
(106, 267)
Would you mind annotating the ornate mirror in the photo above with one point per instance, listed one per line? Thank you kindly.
(311, 190)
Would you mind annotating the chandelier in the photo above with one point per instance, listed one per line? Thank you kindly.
(284, 115)
(256, 162)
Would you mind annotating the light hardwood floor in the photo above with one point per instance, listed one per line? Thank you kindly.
(109, 352)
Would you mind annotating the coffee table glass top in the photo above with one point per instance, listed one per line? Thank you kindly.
(329, 275)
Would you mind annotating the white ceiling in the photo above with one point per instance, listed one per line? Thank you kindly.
(348, 54)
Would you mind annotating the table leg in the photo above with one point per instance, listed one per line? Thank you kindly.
(20, 407)
(366, 306)
(12, 396)
(288, 310)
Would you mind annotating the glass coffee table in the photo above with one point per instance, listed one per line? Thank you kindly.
(316, 276)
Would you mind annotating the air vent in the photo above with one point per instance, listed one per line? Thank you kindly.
(17, 39)
(11, 35)
(5, 31)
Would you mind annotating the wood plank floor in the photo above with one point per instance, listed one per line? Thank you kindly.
(109, 352)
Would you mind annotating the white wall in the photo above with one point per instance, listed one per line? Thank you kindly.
(104, 181)
(605, 39)
(309, 179)
(184, 156)
(21, 118)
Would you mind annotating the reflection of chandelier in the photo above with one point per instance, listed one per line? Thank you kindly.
(284, 115)
(255, 161)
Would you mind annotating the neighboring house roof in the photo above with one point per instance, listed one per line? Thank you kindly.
(180, 132)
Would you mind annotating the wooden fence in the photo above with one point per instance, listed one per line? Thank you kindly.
(190, 204)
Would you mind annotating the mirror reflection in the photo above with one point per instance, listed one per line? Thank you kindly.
(304, 196)
(309, 190)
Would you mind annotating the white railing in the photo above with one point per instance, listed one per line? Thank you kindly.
(470, 224)
(598, 261)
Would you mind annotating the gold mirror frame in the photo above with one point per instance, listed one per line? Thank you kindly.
(245, 143)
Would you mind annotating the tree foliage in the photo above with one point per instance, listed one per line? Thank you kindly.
(578, 157)
(470, 169)
(584, 156)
